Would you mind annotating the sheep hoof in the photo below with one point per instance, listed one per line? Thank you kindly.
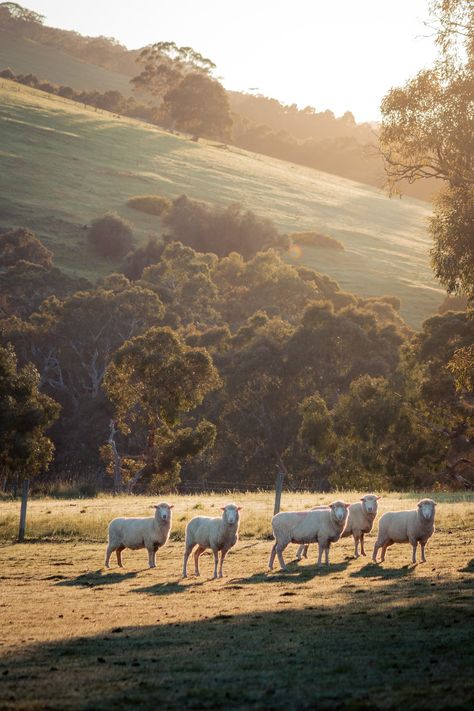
(152, 566)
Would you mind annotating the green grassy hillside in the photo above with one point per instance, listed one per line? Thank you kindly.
(64, 164)
(24, 56)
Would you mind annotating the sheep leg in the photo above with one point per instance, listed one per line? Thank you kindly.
(414, 545)
(302, 551)
(356, 548)
(384, 550)
(320, 553)
(118, 553)
(375, 551)
(216, 561)
(272, 556)
(280, 547)
(187, 552)
(107, 555)
(151, 557)
(223, 555)
(198, 552)
(326, 553)
(422, 546)
(362, 549)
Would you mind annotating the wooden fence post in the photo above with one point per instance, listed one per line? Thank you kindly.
(24, 501)
(278, 489)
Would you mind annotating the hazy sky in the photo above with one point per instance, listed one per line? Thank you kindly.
(330, 54)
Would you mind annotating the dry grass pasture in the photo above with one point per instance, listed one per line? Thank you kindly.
(356, 635)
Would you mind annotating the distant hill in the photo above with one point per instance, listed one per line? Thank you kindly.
(316, 139)
(25, 55)
(64, 164)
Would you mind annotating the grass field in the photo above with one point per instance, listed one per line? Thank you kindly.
(354, 636)
(64, 164)
(25, 56)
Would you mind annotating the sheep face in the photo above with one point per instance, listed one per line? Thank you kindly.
(426, 508)
(163, 512)
(231, 513)
(339, 510)
(369, 503)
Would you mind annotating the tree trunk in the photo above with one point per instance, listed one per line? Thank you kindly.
(24, 502)
(117, 460)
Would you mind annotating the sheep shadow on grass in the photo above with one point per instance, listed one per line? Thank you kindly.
(168, 588)
(97, 577)
(295, 574)
(469, 568)
(373, 570)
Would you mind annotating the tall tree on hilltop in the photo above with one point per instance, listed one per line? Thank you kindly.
(165, 64)
(192, 100)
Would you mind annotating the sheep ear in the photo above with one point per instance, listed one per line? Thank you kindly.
(222, 508)
(362, 498)
(347, 506)
(239, 508)
(378, 498)
(171, 506)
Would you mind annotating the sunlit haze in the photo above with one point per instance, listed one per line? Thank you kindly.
(341, 56)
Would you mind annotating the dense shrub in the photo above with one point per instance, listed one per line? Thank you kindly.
(7, 73)
(110, 236)
(315, 239)
(151, 204)
(221, 230)
(21, 244)
(141, 257)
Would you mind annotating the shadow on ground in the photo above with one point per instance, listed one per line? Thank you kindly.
(469, 567)
(324, 657)
(373, 570)
(97, 577)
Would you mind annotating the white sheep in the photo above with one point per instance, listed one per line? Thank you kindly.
(324, 525)
(414, 526)
(151, 533)
(359, 522)
(218, 534)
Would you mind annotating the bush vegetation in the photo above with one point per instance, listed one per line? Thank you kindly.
(150, 204)
(110, 236)
(21, 244)
(316, 239)
(220, 230)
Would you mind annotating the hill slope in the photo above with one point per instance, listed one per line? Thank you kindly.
(25, 56)
(64, 164)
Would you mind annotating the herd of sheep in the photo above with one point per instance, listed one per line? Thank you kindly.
(322, 525)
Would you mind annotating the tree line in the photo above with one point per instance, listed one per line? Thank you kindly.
(208, 360)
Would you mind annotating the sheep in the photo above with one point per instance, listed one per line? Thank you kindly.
(360, 521)
(218, 534)
(151, 533)
(324, 525)
(414, 526)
